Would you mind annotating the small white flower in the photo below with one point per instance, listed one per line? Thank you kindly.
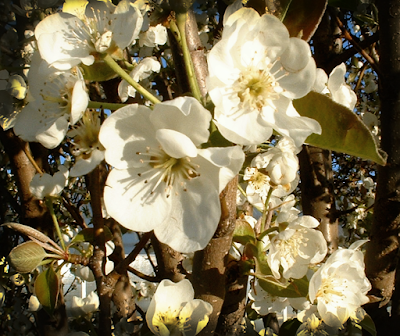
(264, 303)
(174, 311)
(340, 286)
(57, 100)
(296, 247)
(280, 163)
(255, 71)
(88, 150)
(335, 86)
(142, 71)
(157, 164)
(46, 185)
(84, 30)
(84, 306)
(155, 35)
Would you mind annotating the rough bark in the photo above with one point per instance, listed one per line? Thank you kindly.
(209, 264)
(316, 191)
(382, 250)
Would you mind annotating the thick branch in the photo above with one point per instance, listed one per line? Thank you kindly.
(209, 265)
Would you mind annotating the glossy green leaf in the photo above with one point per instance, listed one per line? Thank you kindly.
(26, 256)
(87, 235)
(342, 130)
(243, 233)
(368, 324)
(47, 287)
(289, 327)
(301, 19)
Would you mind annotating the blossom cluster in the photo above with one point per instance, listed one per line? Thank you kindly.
(166, 171)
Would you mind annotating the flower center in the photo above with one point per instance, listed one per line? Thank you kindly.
(86, 134)
(171, 321)
(328, 289)
(172, 171)
(256, 88)
(290, 247)
(258, 179)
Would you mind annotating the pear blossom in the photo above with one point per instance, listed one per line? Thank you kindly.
(335, 86)
(296, 247)
(265, 303)
(46, 185)
(142, 71)
(83, 306)
(339, 288)
(58, 99)
(174, 311)
(85, 30)
(87, 148)
(155, 35)
(255, 71)
(280, 163)
(158, 165)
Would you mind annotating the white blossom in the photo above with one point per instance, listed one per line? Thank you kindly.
(154, 36)
(340, 286)
(84, 30)
(335, 86)
(57, 99)
(142, 71)
(157, 164)
(296, 247)
(174, 311)
(83, 306)
(255, 71)
(86, 147)
(280, 163)
(46, 185)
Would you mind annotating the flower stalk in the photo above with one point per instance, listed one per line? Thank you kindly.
(179, 29)
(49, 204)
(118, 70)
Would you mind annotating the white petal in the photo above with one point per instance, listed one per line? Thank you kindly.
(129, 200)
(125, 133)
(85, 166)
(175, 144)
(185, 115)
(221, 165)
(296, 56)
(196, 314)
(194, 217)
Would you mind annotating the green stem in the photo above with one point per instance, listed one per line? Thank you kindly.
(266, 209)
(49, 204)
(121, 72)
(104, 105)
(194, 85)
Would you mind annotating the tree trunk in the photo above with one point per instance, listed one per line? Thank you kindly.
(382, 250)
(315, 163)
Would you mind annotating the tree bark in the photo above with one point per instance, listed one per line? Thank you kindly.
(315, 163)
(382, 250)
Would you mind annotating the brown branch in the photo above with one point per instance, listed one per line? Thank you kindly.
(356, 44)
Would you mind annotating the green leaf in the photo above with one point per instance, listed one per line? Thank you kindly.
(342, 130)
(301, 19)
(99, 71)
(368, 324)
(292, 289)
(87, 235)
(243, 233)
(289, 327)
(26, 256)
(47, 287)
